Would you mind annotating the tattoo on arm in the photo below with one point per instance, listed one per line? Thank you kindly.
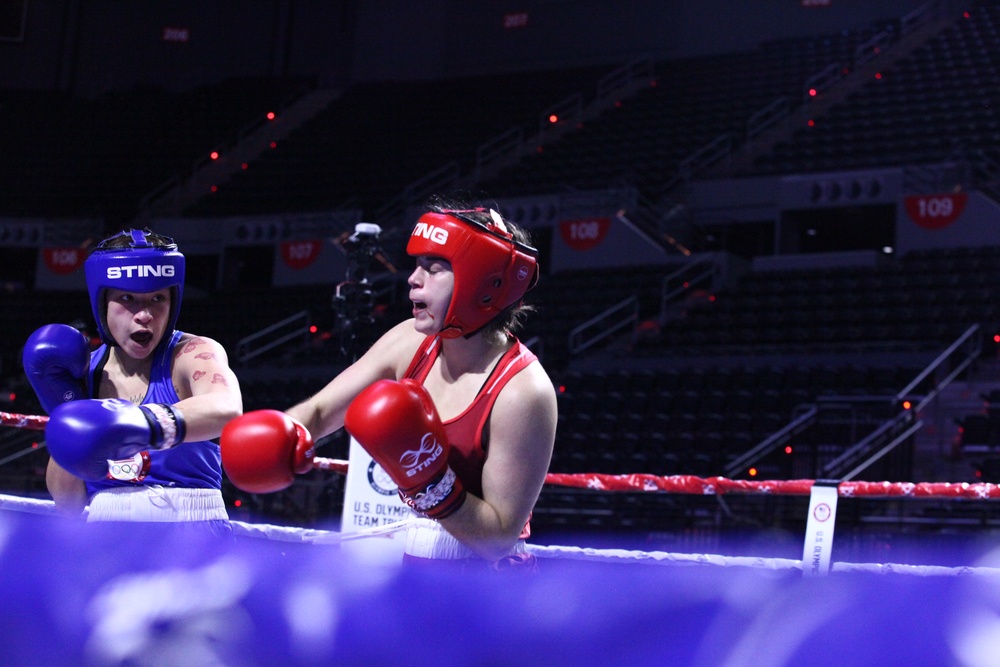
(204, 355)
(192, 345)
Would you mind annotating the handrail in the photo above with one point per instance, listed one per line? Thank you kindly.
(986, 174)
(623, 77)
(977, 348)
(773, 441)
(667, 294)
(871, 49)
(822, 80)
(834, 468)
(576, 345)
(432, 181)
(171, 184)
(889, 429)
(19, 437)
(706, 156)
(913, 428)
(503, 146)
(294, 332)
(566, 112)
(887, 432)
(922, 15)
(767, 116)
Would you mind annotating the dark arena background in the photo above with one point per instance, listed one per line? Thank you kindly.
(770, 251)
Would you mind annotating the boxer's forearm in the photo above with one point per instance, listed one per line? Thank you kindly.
(68, 492)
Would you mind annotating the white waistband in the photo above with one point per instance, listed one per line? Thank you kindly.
(157, 503)
(426, 538)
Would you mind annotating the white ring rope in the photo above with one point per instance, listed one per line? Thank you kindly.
(623, 556)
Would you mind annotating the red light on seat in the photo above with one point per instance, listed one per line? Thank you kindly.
(812, 92)
(214, 155)
(270, 115)
(553, 118)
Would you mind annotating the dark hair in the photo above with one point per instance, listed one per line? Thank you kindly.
(123, 239)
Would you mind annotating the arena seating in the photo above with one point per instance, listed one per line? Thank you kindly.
(379, 137)
(923, 108)
(71, 157)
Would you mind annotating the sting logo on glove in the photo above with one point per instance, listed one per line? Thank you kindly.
(414, 461)
(387, 419)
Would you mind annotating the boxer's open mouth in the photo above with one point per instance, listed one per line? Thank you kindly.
(142, 337)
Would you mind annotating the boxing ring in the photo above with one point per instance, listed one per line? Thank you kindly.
(287, 595)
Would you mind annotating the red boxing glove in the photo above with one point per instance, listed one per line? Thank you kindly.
(263, 450)
(397, 423)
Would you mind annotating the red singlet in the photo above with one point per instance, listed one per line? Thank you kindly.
(465, 432)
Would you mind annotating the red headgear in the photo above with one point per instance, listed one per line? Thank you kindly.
(492, 270)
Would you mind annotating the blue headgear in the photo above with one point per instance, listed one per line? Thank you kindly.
(139, 267)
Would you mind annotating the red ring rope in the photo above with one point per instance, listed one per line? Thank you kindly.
(689, 484)
(29, 422)
(720, 485)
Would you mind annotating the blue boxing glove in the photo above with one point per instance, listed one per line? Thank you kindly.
(89, 437)
(55, 359)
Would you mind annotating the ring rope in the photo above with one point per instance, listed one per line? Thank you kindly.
(28, 422)
(797, 487)
(317, 536)
(689, 484)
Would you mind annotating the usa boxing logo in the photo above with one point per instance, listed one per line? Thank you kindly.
(417, 460)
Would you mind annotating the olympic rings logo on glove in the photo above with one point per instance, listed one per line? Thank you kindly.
(133, 469)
